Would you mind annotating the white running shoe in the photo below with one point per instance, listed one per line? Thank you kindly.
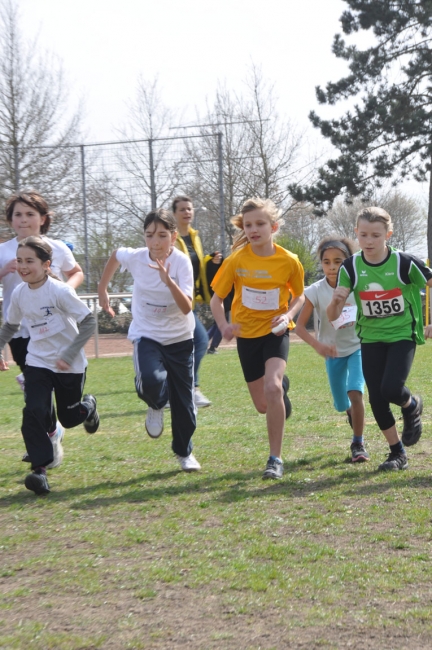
(189, 463)
(56, 440)
(20, 380)
(200, 399)
(154, 423)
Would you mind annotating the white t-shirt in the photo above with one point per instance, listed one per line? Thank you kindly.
(51, 312)
(155, 313)
(345, 339)
(62, 260)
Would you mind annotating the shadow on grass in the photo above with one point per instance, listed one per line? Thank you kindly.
(244, 486)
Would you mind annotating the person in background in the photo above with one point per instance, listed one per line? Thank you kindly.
(188, 242)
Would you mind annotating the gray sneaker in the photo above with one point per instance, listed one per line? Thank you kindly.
(412, 429)
(274, 468)
(395, 460)
(91, 424)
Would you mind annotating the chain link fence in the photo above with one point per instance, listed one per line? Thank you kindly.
(101, 192)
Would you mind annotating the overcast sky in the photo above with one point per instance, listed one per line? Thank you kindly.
(191, 45)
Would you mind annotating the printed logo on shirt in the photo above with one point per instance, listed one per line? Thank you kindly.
(47, 310)
(261, 274)
(258, 275)
(390, 273)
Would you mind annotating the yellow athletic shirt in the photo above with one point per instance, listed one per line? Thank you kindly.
(262, 287)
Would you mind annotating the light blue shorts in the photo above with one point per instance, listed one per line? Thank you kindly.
(344, 374)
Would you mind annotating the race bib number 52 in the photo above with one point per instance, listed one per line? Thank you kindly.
(381, 304)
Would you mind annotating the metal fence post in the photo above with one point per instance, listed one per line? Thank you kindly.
(152, 176)
(84, 198)
(221, 193)
(96, 334)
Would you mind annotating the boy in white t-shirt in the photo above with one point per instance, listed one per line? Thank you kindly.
(337, 342)
(161, 329)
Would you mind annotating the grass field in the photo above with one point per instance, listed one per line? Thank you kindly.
(129, 552)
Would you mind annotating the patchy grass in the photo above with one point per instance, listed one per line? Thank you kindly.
(129, 552)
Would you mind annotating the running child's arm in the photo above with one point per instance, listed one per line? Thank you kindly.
(340, 295)
(10, 267)
(111, 267)
(86, 329)
(294, 306)
(6, 333)
(323, 349)
(227, 330)
(75, 276)
(183, 302)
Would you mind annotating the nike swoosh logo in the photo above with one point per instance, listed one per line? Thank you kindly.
(380, 295)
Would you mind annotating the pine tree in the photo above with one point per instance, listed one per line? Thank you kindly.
(387, 134)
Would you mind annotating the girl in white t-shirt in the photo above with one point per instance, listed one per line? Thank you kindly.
(28, 214)
(337, 341)
(161, 329)
(59, 324)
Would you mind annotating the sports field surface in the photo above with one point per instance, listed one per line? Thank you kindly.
(129, 552)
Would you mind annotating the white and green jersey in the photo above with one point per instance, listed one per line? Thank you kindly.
(387, 295)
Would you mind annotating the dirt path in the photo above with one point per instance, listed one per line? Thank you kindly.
(117, 345)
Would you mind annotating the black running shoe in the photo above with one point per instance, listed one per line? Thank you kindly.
(395, 460)
(26, 458)
(274, 469)
(286, 399)
(412, 429)
(91, 424)
(37, 483)
(358, 453)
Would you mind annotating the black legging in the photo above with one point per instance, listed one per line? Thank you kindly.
(386, 367)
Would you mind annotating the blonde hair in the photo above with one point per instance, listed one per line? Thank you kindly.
(256, 203)
(373, 214)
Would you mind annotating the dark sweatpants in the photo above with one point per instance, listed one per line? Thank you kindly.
(386, 367)
(18, 348)
(39, 384)
(165, 372)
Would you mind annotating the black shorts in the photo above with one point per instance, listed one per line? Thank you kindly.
(253, 353)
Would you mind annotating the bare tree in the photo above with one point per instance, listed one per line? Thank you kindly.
(261, 153)
(408, 214)
(36, 127)
(150, 162)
